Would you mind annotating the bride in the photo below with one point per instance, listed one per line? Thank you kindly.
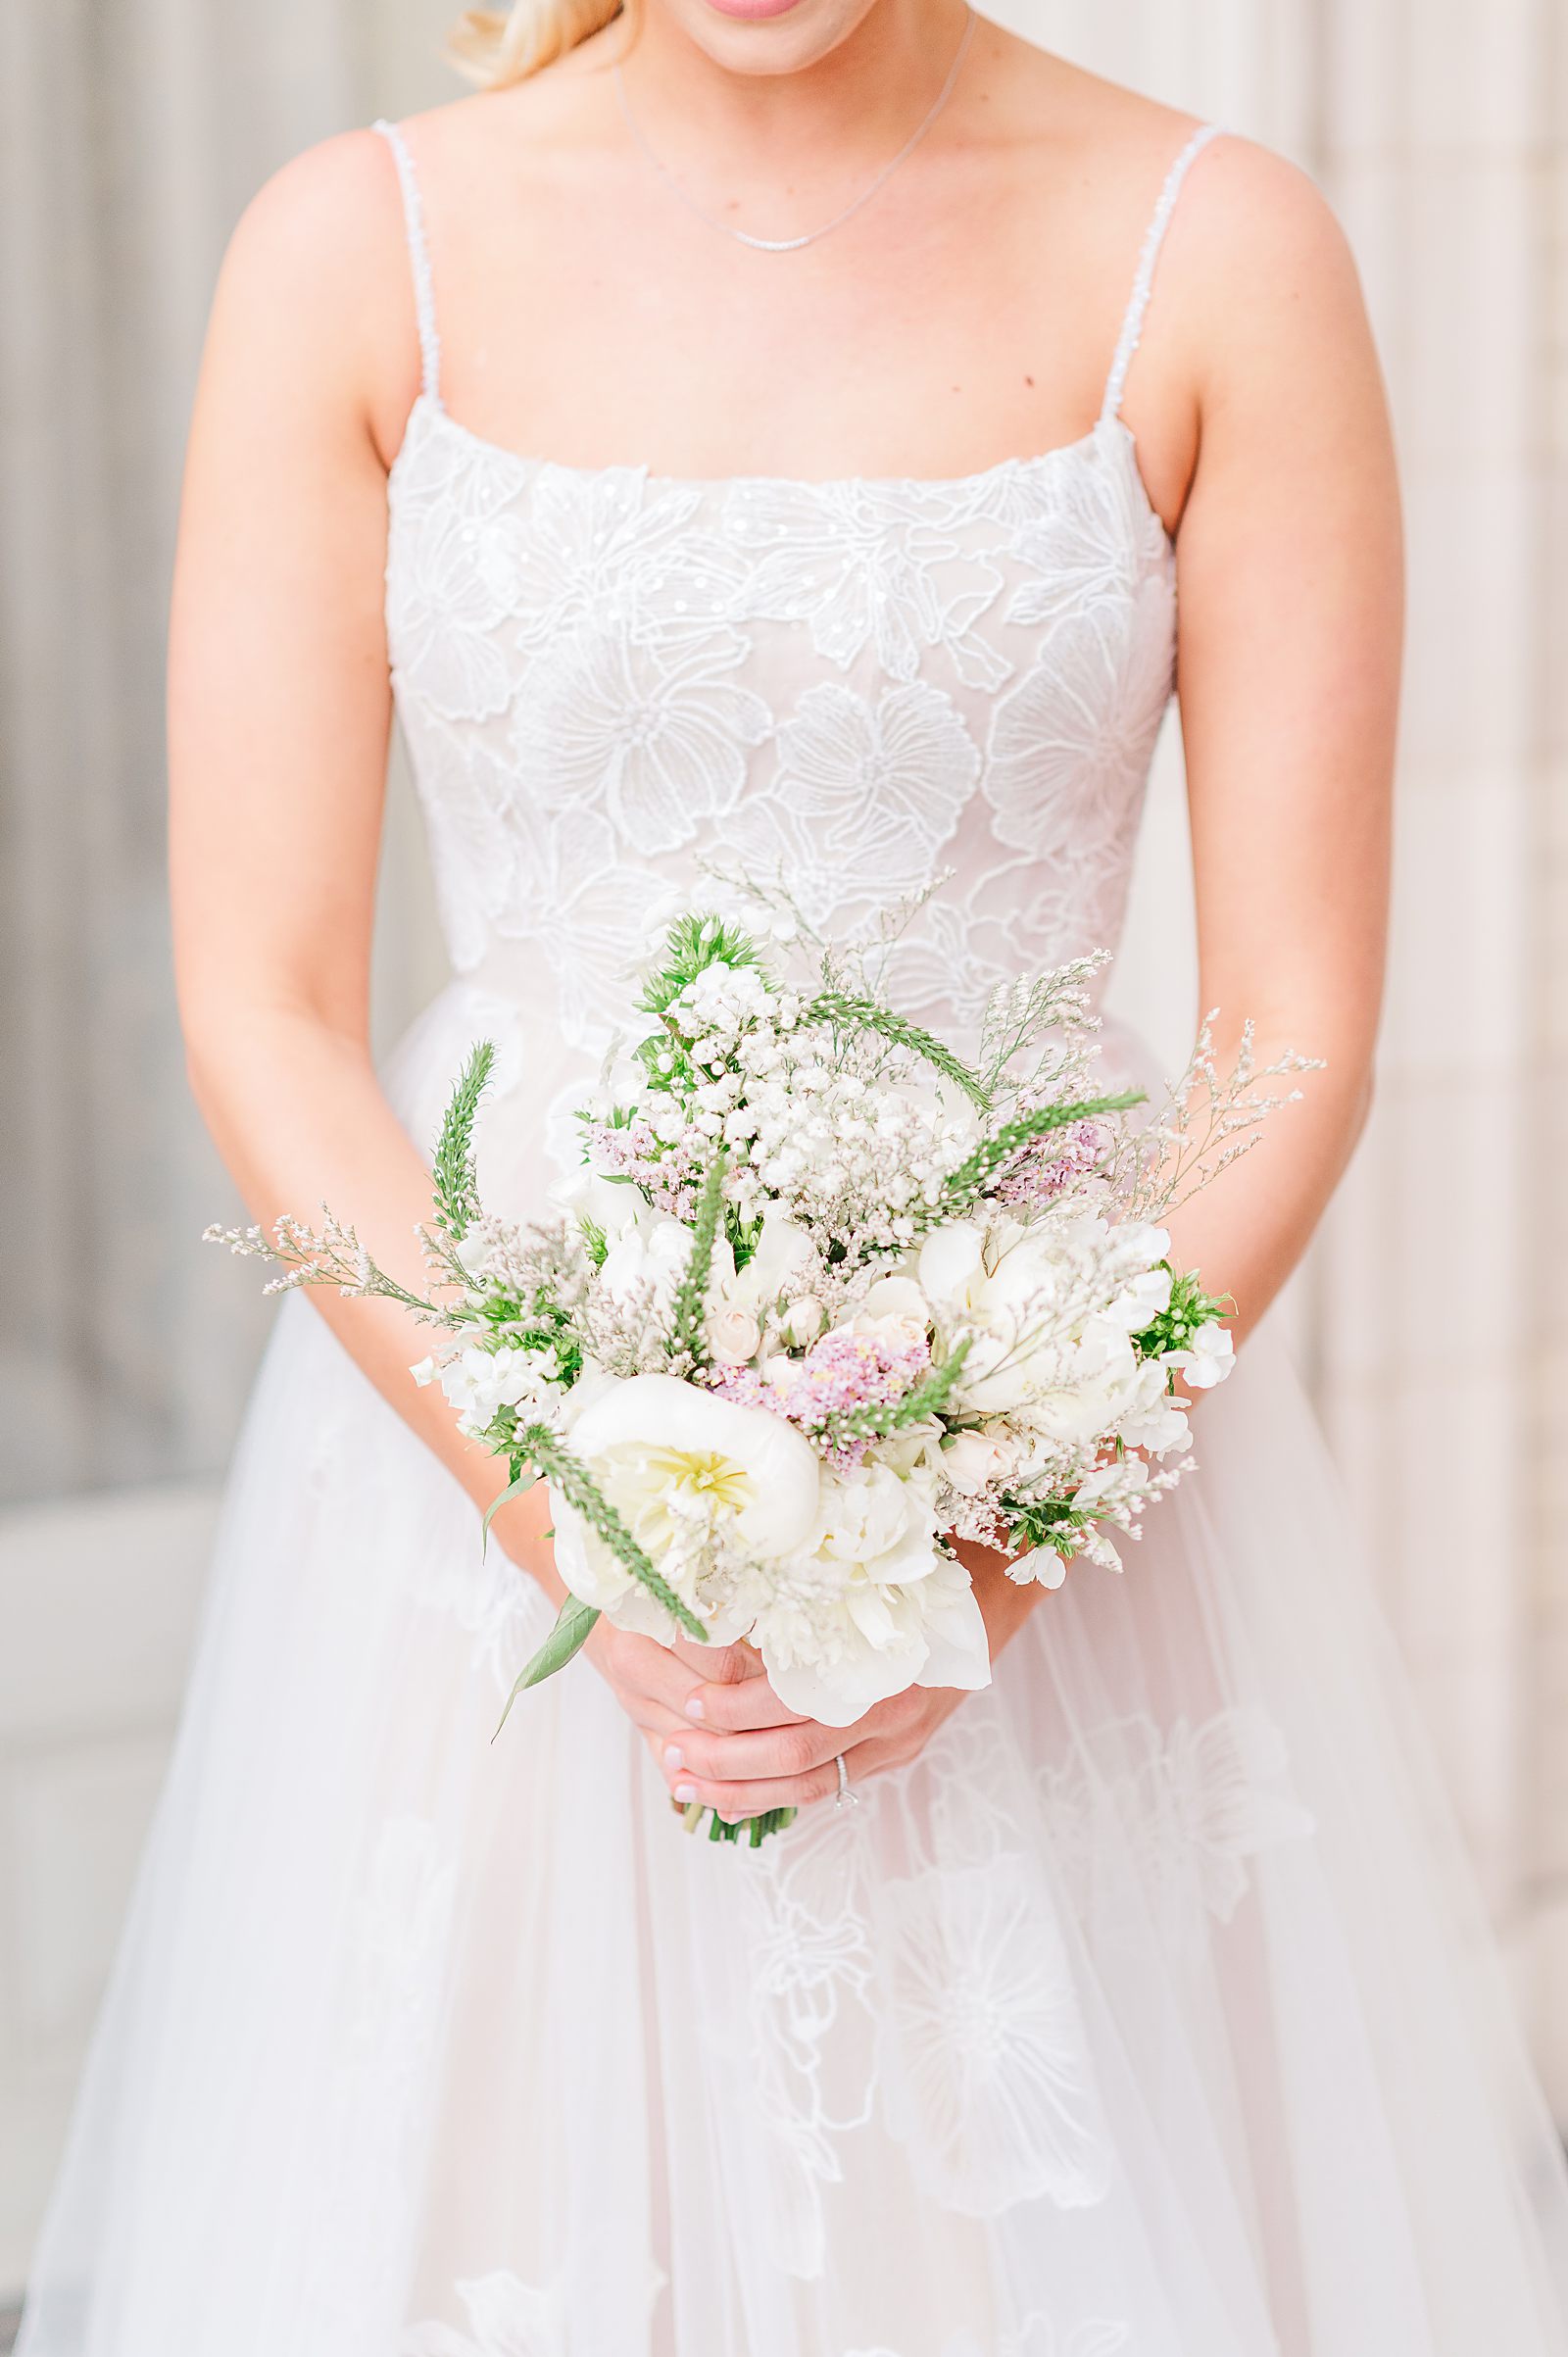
(817, 433)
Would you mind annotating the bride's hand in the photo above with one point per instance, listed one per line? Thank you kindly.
(646, 1679)
(741, 1751)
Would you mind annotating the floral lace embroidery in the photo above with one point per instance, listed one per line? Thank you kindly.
(607, 679)
(506, 2318)
(986, 2062)
(945, 1995)
(1161, 1826)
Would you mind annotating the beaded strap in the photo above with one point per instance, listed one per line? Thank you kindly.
(1133, 323)
(419, 259)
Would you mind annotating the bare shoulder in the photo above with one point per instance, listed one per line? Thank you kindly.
(315, 281)
(322, 217)
(1256, 232)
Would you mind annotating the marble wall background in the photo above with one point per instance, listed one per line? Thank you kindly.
(130, 133)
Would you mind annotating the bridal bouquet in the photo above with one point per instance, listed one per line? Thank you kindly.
(823, 1299)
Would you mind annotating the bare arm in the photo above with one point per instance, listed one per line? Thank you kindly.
(1291, 616)
(279, 714)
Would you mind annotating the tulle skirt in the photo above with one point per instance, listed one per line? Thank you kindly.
(1149, 2014)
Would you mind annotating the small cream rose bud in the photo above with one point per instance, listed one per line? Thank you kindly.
(803, 1321)
(971, 1461)
(733, 1334)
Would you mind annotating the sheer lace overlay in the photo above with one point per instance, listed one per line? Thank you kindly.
(606, 678)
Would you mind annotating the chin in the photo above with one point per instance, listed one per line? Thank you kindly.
(764, 36)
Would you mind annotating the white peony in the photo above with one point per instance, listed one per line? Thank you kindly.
(1081, 1390)
(1004, 1284)
(869, 1605)
(693, 1477)
(897, 1297)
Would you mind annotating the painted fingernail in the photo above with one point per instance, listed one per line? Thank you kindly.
(694, 1709)
(674, 1757)
(685, 1793)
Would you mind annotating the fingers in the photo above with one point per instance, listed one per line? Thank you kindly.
(731, 1709)
(733, 1801)
(720, 1666)
(647, 1680)
(769, 1755)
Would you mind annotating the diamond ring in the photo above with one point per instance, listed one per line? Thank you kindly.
(846, 1797)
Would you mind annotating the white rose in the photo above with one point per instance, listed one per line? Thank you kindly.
(972, 1461)
(733, 1334)
(803, 1321)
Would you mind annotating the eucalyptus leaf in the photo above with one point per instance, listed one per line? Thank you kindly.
(573, 1626)
(514, 1489)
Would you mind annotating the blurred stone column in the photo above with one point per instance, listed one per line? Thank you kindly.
(1431, 1316)
(1440, 1285)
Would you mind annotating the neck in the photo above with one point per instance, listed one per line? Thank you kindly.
(847, 108)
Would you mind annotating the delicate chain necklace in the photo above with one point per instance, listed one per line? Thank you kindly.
(792, 245)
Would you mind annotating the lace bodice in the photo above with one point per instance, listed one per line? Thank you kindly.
(608, 678)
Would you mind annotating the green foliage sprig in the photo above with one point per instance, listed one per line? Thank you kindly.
(844, 1009)
(453, 1177)
(964, 1187)
(693, 943)
(536, 1451)
(1190, 1308)
(1036, 1522)
(686, 1340)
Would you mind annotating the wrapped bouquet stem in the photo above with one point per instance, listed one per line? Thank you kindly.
(823, 1299)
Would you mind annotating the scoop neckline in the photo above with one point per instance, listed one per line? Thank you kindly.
(430, 405)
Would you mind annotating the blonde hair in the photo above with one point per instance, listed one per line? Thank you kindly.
(497, 46)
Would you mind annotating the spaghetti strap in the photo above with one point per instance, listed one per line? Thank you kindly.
(418, 261)
(1138, 303)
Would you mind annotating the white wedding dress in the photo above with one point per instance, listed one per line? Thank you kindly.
(1149, 2014)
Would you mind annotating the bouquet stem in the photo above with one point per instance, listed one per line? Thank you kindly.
(754, 1830)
